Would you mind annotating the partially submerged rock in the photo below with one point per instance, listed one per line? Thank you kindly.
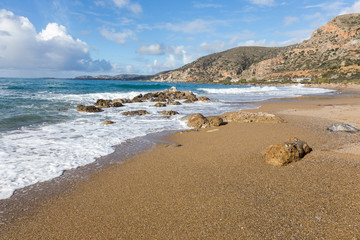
(203, 99)
(159, 104)
(248, 117)
(91, 109)
(173, 103)
(108, 122)
(135, 113)
(117, 104)
(284, 153)
(342, 127)
(122, 100)
(169, 113)
(103, 103)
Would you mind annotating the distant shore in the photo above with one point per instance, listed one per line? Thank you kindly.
(214, 184)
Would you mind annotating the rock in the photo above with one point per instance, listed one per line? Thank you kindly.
(342, 127)
(135, 113)
(122, 100)
(191, 98)
(203, 99)
(103, 103)
(91, 109)
(108, 122)
(173, 103)
(169, 113)
(215, 121)
(247, 117)
(173, 89)
(197, 121)
(188, 101)
(284, 153)
(138, 98)
(117, 104)
(159, 104)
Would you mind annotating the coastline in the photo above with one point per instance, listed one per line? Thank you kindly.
(194, 190)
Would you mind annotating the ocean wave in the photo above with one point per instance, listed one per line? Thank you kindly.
(254, 89)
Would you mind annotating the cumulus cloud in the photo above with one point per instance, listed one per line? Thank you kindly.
(355, 8)
(118, 37)
(176, 56)
(263, 2)
(152, 49)
(21, 47)
(134, 7)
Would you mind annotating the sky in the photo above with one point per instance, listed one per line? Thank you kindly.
(68, 38)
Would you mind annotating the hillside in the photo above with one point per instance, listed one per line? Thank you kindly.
(333, 51)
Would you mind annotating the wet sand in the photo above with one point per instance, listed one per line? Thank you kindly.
(215, 184)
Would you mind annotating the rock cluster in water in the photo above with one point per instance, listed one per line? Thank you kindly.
(162, 99)
(284, 153)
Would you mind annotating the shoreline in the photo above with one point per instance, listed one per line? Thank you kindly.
(265, 106)
(32, 196)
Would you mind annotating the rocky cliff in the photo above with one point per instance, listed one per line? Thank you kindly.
(332, 52)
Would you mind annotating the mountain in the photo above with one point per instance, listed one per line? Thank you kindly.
(332, 52)
(122, 77)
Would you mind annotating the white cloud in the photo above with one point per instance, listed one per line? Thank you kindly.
(153, 49)
(100, 3)
(215, 46)
(263, 2)
(290, 20)
(253, 43)
(355, 8)
(134, 7)
(177, 56)
(196, 26)
(170, 63)
(264, 43)
(118, 37)
(330, 8)
(207, 5)
(52, 49)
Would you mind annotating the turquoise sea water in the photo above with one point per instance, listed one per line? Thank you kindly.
(42, 134)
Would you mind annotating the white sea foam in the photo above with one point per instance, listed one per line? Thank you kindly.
(35, 154)
(39, 153)
(260, 93)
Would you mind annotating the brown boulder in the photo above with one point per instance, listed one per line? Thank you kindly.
(117, 104)
(135, 113)
(284, 153)
(248, 117)
(215, 121)
(122, 100)
(197, 121)
(103, 103)
(169, 113)
(91, 109)
(159, 104)
(108, 122)
(203, 99)
(173, 103)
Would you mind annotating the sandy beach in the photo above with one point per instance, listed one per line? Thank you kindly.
(214, 184)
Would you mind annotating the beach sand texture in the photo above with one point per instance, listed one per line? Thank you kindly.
(215, 184)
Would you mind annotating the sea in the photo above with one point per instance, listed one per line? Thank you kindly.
(42, 134)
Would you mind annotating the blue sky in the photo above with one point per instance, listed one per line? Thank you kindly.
(67, 38)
